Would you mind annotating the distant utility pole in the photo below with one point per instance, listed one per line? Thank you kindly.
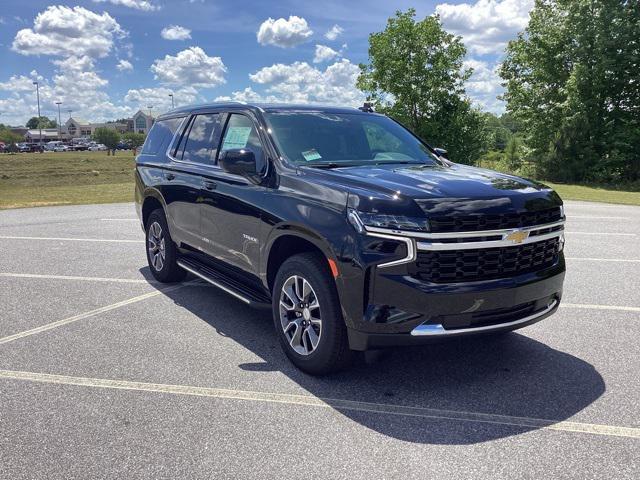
(172, 104)
(39, 119)
(59, 121)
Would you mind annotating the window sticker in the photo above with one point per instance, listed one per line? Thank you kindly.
(311, 155)
(236, 137)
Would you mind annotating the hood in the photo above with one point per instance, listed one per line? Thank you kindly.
(441, 189)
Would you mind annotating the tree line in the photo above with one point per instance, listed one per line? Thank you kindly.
(572, 91)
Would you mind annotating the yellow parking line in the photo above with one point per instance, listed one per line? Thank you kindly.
(338, 404)
(82, 316)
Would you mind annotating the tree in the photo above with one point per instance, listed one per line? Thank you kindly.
(45, 122)
(8, 137)
(415, 74)
(108, 137)
(572, 81)
(135, 140)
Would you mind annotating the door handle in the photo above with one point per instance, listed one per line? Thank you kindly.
(210, 185)
(169, 176)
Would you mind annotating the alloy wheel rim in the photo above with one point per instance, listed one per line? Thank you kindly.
(300, 315)
(156, 246)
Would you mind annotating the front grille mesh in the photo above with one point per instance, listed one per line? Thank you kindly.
(452, 266)
(473, 223)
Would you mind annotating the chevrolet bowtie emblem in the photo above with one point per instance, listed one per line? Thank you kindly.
(518, 236)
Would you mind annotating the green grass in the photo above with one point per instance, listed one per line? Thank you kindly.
(589, 193)
(72, 178)
(65, 178)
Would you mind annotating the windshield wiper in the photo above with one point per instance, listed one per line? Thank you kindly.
(326, 165)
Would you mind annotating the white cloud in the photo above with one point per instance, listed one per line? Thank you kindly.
(301, 83)
(158, 98)
(284, 33)
(124, 66)
(244, 96)
(486, 25)
(190, 67)
(75, 83)
(484, 86)
(65, 31)
(334, 32)
(176, 32)
(144, 5)
(324, 54)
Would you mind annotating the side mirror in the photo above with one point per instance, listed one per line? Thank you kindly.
(239, 161)
(442, 153)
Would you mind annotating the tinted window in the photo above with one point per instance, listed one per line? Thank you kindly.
(200, 144)
(350, 138)
(242, 133)
(160, 135)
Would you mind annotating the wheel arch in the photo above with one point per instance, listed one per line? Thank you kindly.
(152, 201)
(289, 240)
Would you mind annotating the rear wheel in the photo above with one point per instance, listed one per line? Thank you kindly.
(308, 317)
(162, 253)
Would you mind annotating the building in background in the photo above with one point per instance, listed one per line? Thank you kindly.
(142, 122)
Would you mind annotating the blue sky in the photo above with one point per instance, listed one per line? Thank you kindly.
(105, 59)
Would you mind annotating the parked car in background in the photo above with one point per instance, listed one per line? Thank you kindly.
(2, 147)
(97, 147)
(123, 146)
(55, 146)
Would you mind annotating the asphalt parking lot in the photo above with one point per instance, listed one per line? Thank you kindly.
(104, 373)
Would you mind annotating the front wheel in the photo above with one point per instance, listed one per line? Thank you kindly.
(307, 315)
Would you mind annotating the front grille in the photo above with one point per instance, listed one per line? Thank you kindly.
(472, 223)
(450, 266)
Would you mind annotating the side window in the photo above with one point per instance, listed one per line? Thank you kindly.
(242, 133)
(160, 135)
(200, 143)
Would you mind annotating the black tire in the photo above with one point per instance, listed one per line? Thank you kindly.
(162, 264)
(331, 352)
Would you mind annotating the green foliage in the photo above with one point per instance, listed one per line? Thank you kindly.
(135, 140)
(572, 81)
(7, 136)
(44, 122)
(415, 74)
(107, 136)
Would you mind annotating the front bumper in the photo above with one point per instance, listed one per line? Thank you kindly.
(402, 310)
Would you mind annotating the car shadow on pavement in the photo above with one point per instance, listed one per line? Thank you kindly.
(510, 374)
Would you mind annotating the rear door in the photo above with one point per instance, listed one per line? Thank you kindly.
(191, 156)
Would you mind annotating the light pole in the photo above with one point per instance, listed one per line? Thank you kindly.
(172, 104)
(59, 121)
(39, 119)
(150, 118)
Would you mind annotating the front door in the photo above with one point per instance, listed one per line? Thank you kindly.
(230, 211)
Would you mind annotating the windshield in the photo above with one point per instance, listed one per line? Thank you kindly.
(335, 139)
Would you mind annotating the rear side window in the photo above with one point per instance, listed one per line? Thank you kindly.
(161, 135)
(200, 143)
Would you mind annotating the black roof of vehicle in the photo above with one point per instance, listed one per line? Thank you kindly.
(265, 107)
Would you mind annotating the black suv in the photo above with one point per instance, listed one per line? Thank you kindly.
(353, 231)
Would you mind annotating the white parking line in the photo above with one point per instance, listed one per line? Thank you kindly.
(338, 404)
(569, 217)
(129, 219)
(590, 259)
(82, 316)
(587, 306)
(66, 239)
(84, 279)
(602, 233)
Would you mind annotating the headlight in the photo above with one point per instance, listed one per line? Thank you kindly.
(393, 222)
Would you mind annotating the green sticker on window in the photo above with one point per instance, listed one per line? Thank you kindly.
(236, 137)
(311, 155)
